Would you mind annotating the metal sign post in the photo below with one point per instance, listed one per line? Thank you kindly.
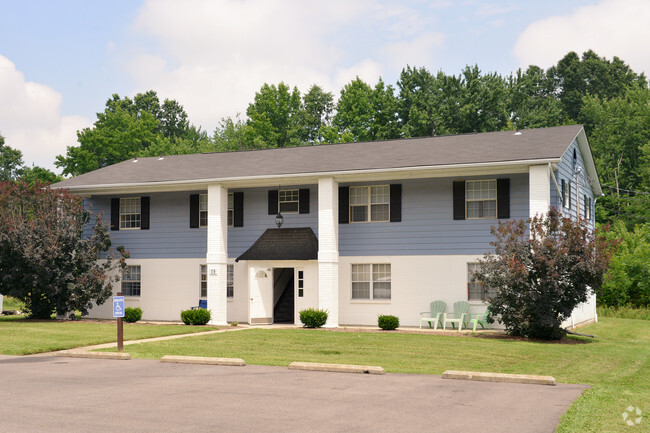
(118, 311)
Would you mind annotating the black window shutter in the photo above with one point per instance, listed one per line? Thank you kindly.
(503, 198)
(144, 213)
(395, 203)
(459, 200)
(344, 205)
(194, 211)
(115, 214)
(303, 200)
(238, 209)
(273, 202)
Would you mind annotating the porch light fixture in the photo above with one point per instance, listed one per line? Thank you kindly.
(279, 220)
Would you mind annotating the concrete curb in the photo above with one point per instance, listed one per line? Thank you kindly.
(205, 360)
(95, 355)
(338, 368)
(499, 377)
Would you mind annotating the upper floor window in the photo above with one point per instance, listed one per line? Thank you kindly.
(203, 210)
(231, 209)
(288, 200)
(131, 281)
(566, 194)
(130, 213)
(481, 198)
(587, 201)
(371, 281)
(370, 203)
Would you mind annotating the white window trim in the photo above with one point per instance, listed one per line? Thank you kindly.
(371, 298)
(201, 281)
(231, 210)
(469, 281)
(495, 200)
(122, 199)
(131, 281)
(281, 201)
(369, 204)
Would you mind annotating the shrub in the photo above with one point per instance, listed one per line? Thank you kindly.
(542, 269)
(199, 316)
(132, 315)
(313, 318)
(624, 312)
(388, 323)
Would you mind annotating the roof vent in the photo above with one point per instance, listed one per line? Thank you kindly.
(517, 133)
(161, 158)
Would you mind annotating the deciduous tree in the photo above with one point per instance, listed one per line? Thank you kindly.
(542, 269)
(47, 259)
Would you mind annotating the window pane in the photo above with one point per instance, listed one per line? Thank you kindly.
(130, 213)
(379, 212)
(131, 281)
(358, 214)
(203, 219)
(360, 290)
(380, 194)
(230, 282)
(203, 202)
(359, 195)
(381, 290)
(289, 207)
(361, 273)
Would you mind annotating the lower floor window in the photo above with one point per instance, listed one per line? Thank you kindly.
(230, 287)
(131, 279)
(476, 290)
(371, 281)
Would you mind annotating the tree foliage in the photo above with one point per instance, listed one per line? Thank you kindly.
(542, 269)
(44, 259)
(127, 128)
(10, 161)
(628, 279)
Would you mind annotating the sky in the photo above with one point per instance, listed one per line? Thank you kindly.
(61, 60)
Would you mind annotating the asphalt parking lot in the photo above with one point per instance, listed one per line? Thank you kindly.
(51, 394)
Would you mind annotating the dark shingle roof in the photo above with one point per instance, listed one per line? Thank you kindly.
(284, 244)
(489, 147)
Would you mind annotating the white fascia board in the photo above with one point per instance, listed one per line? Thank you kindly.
(590, 164)
(369, 175)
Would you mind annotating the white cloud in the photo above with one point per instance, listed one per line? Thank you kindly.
(213, 55)
(30, 118)
(610, 28)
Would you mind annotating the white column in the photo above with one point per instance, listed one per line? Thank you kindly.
(328, 249)
(217, 256)
(539, 190)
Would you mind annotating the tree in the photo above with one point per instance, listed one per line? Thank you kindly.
(127, 128)
(35, 173)
(592, 75)
(368, 114)
(273, 117)
(316, 113)
(542, 269)
(620, 137)
(47, 259)
(532, 102)
(10, 161)
(416, 109)
(627, 281)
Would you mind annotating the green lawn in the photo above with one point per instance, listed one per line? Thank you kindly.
(615, 364)
(23, 337)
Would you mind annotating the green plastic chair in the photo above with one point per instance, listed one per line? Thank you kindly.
(435, 315)
(460, 311)
(480, 319)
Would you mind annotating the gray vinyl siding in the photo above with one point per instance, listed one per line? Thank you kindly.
(257, 219)
(427, 226)
(169, 235)
(565, 171)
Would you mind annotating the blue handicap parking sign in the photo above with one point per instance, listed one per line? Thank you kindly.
(118, 306)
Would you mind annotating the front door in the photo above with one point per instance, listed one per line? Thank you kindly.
(261, 296)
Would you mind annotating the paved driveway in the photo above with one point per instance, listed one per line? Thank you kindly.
(48, 394)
